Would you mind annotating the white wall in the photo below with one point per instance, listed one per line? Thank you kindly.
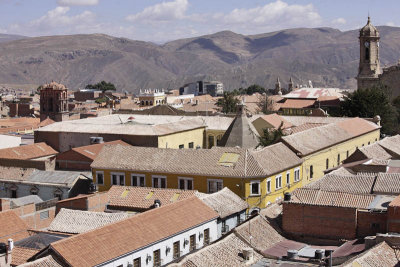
(45, 192)
(162, 245)
(7, 141)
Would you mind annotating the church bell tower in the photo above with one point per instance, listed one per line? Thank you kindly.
(369, 68)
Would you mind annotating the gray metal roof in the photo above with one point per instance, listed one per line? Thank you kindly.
(21, 201)
(66, 178)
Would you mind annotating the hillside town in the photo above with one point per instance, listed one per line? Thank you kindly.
(199, 175)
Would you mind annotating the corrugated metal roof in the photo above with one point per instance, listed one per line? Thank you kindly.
(66, 178)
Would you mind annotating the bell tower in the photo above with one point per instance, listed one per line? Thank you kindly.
(369, 67)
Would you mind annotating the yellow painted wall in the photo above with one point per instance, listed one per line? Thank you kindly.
(182, 138)
(216, 135)
(239, 186)
(260, 124)
(345, 149)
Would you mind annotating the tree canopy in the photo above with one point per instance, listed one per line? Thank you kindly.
(271, 137)
(255, 88)
(228, 103)
(103, 86)
(370, 102)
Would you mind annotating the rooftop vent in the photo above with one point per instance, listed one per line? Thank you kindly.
(248, 254)
(96, 140)
(292, 254)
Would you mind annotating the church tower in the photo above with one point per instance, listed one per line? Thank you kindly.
(278, 88)
(54, 102)
(369, 68)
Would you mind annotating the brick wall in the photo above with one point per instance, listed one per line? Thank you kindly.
(33, 218)
(393, 222)
(93, 202)
(371, 223)
(319, 221)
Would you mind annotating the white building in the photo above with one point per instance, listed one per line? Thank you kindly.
(7, 141)
(152, 238)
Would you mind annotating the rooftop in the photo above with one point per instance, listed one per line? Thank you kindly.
(275, 121)
(132, 197)
(47, 261)
(33, 151)
(39, 240)
(60, 178)
(78, 221)
(315, 93)
(224, 202)
(218, 161)
(12, 226)
(380, 255)
(298, 103)
(147, 228)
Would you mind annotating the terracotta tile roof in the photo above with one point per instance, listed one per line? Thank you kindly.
(303, 127)
(275, 120)
(312, 140)
(90, 151)
(298, 103)
(357, 184)
(263, 234)
(79, 221)
(15, 173)
(34, 151)
(387, 183)
(209, 162)
(395, 202)
(334, 199)
(224, 253)
(114, 240)
(47, 261)
(375, 151)
(380, 255)
(225, 202)
(20, 255)
(276, 158)
(299, 120)
(314, 93)
(46, 122)
(131, 197)
(391, 144)
(12, 226)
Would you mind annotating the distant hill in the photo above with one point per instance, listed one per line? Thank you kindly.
(10, 37)
(326, 56)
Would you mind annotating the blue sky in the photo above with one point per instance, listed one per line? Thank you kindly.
(160, 21)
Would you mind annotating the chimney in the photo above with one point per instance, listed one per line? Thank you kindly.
(157, 203)
(248, 254)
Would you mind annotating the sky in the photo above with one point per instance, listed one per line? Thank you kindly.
(162, 21)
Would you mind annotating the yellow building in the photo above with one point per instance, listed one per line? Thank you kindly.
(258, 176)
(148, 98)
(327, 146)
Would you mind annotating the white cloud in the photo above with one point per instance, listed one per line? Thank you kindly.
(339, 21)
(390, 24)
(165, 11)
(78, 2)
(276, 15)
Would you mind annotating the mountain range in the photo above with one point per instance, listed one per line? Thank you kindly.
(326, 56)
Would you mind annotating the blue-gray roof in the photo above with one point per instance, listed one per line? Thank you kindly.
(62, 178)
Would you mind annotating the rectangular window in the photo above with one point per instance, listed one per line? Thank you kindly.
(159, 182)
(177, 250)
(192, 244)
(138, 180)
(157, 258)
(207, 236)
(288, 178)
(191, 145)
(347, 154)
(296, 174)
(278, 182)
(137, 262)
(214, 185)
(185, 183)
(268, 186)
(100, 177)
(338, 159)
(181, 146)
(311, 171)
(117, 179)
(255, 188)
(327, 164)
(210, 141)
(44, 215)
(13, 193)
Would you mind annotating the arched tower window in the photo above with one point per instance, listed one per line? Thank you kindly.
(367, 53)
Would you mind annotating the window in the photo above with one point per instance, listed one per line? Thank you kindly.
(100, 178)
(338, 159)
(311, 171)
(268, 186)
(157, 258)
(214, 185)
(347, 154)
(255, 188)
(192, 244)
(34, 191)
(137, 262)
(278, 182)
(327, 164)
(296, 174)
(186, 183)
(207, 236)
(238, 219)
(117, 179)
(288, 178)
(191, 145)
(210, 141)
(44, 215)
(58, 195)
(181, 146)
(159, 182)
(176, 250)
(369, 143)
(14, 193)
(138, 180)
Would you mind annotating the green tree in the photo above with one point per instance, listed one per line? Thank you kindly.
(271, 137)
(228, 103)
(103, 86)
(370, 102)
(255, 88)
